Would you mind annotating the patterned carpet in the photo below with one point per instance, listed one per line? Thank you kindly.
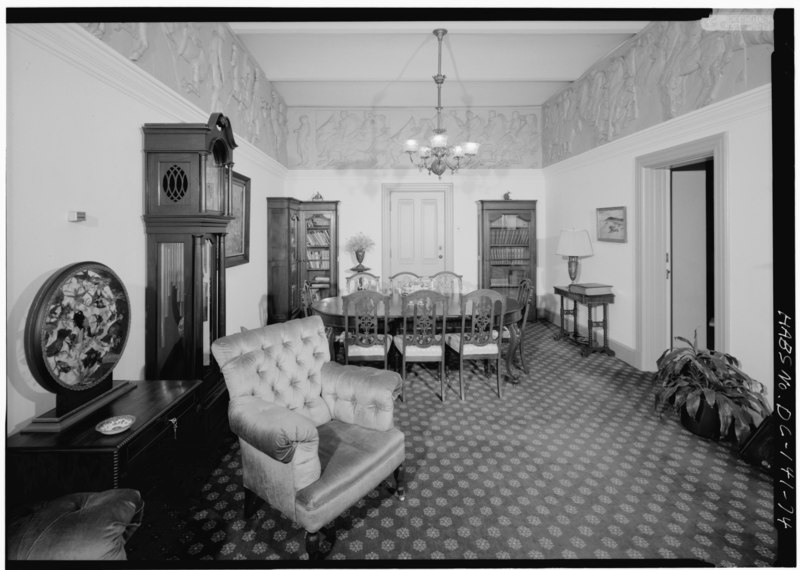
(572, 466)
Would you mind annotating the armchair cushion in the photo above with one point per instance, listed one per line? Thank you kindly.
(355, 460)
(271, 428)
(360, 395)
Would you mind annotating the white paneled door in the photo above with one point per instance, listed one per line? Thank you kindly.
(417, 229)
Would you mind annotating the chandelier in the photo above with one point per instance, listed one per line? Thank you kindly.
(438, 157)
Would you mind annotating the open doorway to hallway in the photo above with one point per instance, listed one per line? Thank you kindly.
(690, 254)
(655, 298)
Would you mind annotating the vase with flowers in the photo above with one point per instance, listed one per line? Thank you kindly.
(359, 244)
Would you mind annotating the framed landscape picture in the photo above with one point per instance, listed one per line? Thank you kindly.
(612, 224)
(237, 242)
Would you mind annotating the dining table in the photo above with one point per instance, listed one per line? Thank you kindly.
(331, 310)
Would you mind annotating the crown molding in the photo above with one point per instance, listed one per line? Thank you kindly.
(80, 49)
(695, 124)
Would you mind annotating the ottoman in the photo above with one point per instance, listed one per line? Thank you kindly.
(79, 526)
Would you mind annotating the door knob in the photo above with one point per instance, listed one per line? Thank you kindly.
(440, 256)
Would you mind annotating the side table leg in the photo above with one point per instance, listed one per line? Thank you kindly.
(575, 319)
(588, 348)
(606, 349)
(562, 330)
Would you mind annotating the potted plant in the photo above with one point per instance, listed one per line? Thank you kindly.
(712, 394)
(359, 244)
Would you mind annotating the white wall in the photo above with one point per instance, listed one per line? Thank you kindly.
(75, 114)
(360, 196)
(605, 176)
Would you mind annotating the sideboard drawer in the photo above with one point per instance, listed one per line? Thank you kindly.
(170, 425)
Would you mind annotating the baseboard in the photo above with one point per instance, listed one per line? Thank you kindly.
(622, 351)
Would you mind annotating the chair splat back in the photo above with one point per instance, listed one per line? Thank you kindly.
(422, 310)
(481, 310)
(363, 282)
(399, 281)
(366, 326)
(447, 283)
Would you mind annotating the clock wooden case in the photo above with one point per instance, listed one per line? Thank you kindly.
(188, 179)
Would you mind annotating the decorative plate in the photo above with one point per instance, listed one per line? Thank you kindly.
(115, 425)
(77, 327)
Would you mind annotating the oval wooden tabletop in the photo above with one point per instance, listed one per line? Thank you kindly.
(331, 309)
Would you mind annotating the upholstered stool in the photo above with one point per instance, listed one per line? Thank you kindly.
(80, 526)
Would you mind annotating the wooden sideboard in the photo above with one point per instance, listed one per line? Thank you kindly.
(41, 466)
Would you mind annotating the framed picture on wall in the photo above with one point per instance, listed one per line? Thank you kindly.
(237, 242)
(612, 224)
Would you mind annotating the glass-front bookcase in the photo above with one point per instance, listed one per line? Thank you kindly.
(507, 245)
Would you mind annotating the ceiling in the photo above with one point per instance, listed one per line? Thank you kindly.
(391, 64)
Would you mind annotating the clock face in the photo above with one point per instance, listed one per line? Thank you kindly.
(77, 327)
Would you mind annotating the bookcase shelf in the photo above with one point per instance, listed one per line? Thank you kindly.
(303, 246)
(507, 245)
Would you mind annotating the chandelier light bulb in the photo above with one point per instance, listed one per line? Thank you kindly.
(471, 148)
(411, 145)
(439, 140)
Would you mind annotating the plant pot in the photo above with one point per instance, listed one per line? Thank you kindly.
(705, 422)
(360, 258)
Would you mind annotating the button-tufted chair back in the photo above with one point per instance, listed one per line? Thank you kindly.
(279, 363)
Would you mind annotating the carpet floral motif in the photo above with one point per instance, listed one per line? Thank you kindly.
(571, 464)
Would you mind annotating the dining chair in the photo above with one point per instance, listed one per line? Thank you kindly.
(399, 280)
(307, 296)
(446, 282)
(366, 336)
(482, 313)
(421, 336)
(524, 299)
(363, 281)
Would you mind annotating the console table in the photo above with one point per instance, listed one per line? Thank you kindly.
(40, 466)
(591, 301)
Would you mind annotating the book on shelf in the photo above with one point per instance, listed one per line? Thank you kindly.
(589, 288)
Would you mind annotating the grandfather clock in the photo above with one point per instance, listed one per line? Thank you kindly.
(187, 209)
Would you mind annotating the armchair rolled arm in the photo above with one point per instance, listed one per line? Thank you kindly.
(360, 395)
(271, 428)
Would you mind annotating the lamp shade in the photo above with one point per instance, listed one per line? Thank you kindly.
(574, 243)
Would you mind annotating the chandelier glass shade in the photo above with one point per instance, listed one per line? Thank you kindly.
(438, 157)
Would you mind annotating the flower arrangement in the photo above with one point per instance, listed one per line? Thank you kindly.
(359, 242)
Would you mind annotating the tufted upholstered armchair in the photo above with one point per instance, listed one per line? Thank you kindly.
(315, 436)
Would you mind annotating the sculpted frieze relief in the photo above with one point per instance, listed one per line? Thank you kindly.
(373, 138)
(206, 64)
(668, 69)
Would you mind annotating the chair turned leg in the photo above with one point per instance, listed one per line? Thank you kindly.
(442, 374)
(400, 482)
(312, 546)
(250, 503)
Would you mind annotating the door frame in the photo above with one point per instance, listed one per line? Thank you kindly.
(387, 189)
(651, 206)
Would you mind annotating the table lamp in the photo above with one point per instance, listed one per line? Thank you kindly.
(574, 244)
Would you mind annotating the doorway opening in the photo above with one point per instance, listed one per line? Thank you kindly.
(417, 228)
(690, 254)
(653, 235)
